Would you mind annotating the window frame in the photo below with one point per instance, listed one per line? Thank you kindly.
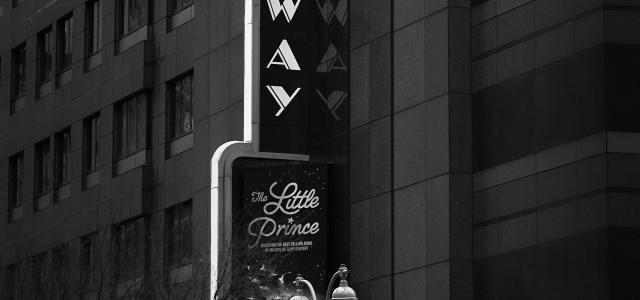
(128, 265)
(124, 20)
(42, 186)
(39, 267)
(60, 262)
(174, 9)
(177, 237)
(61, 44)
(172, 135)
(45, 37)
(141, 124)
(62, 158)
(18, 71)
(16, 180)
(90, 28)
(88, 258)
(91, 144)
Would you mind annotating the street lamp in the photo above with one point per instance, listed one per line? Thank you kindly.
(299, 280)
(343, 291)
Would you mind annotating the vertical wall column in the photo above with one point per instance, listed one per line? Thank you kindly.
(448, 160)
(432, 178)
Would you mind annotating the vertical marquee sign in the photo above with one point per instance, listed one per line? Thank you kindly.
(304, 75)
(281, 219)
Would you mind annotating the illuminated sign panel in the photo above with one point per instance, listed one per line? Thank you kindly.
(303, 74)
(281, 228)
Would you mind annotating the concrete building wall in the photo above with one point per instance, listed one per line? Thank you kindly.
(494, 146)
(410, 149)
(210, 45)
(553, 136)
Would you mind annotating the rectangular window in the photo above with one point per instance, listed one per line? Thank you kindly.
(45, 56)
(88, 259)
(65, 43)
(62, 152)
(131, 126)
(39, 274)
(180, 107)
(11, 281)
(91, 144)
(42, 161)
(18, 71)
(61, 272)
(130, 241)
(93, 21)
(134, 15)
(178, 5)
(16, 175)
(178, 237)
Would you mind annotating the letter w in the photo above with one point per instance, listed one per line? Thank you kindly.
(287, 7)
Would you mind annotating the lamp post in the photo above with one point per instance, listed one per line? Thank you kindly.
(343, 291)
(299, 280)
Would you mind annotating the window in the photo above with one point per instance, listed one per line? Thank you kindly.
(131, 126)
(180, 120)
(60, 265)
(178, 235)
(45, 56)
(16, 175)
(63, 145)
(39, 274)
(42, 168)
(88, 259)
(178, 5)
(180, 12)
(65, 45)
(91, 150)
(18, 77)
(62, 160)
(130, 240)
(11, 281)
(93, 21)
(134, 15)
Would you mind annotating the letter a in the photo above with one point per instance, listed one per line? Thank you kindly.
(287, 7)
(285, 56)
(282, 98)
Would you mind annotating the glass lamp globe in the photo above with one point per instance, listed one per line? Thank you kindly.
(344, 292)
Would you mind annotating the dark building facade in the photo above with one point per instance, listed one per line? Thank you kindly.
(493, 147)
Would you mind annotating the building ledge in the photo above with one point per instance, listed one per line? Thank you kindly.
(42, 201)
(131, 162)
(181, 17)
(65, 77)
(93, 61)
(92, 179)
(133, 38)
(63, 192)
(45, 88)
(18, 104)
(181, 144)
(16, 213)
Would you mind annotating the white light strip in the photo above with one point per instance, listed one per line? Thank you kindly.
(248, 69)
(216, 180)
(215, 213)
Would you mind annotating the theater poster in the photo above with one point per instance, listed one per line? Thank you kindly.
(282, 231)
